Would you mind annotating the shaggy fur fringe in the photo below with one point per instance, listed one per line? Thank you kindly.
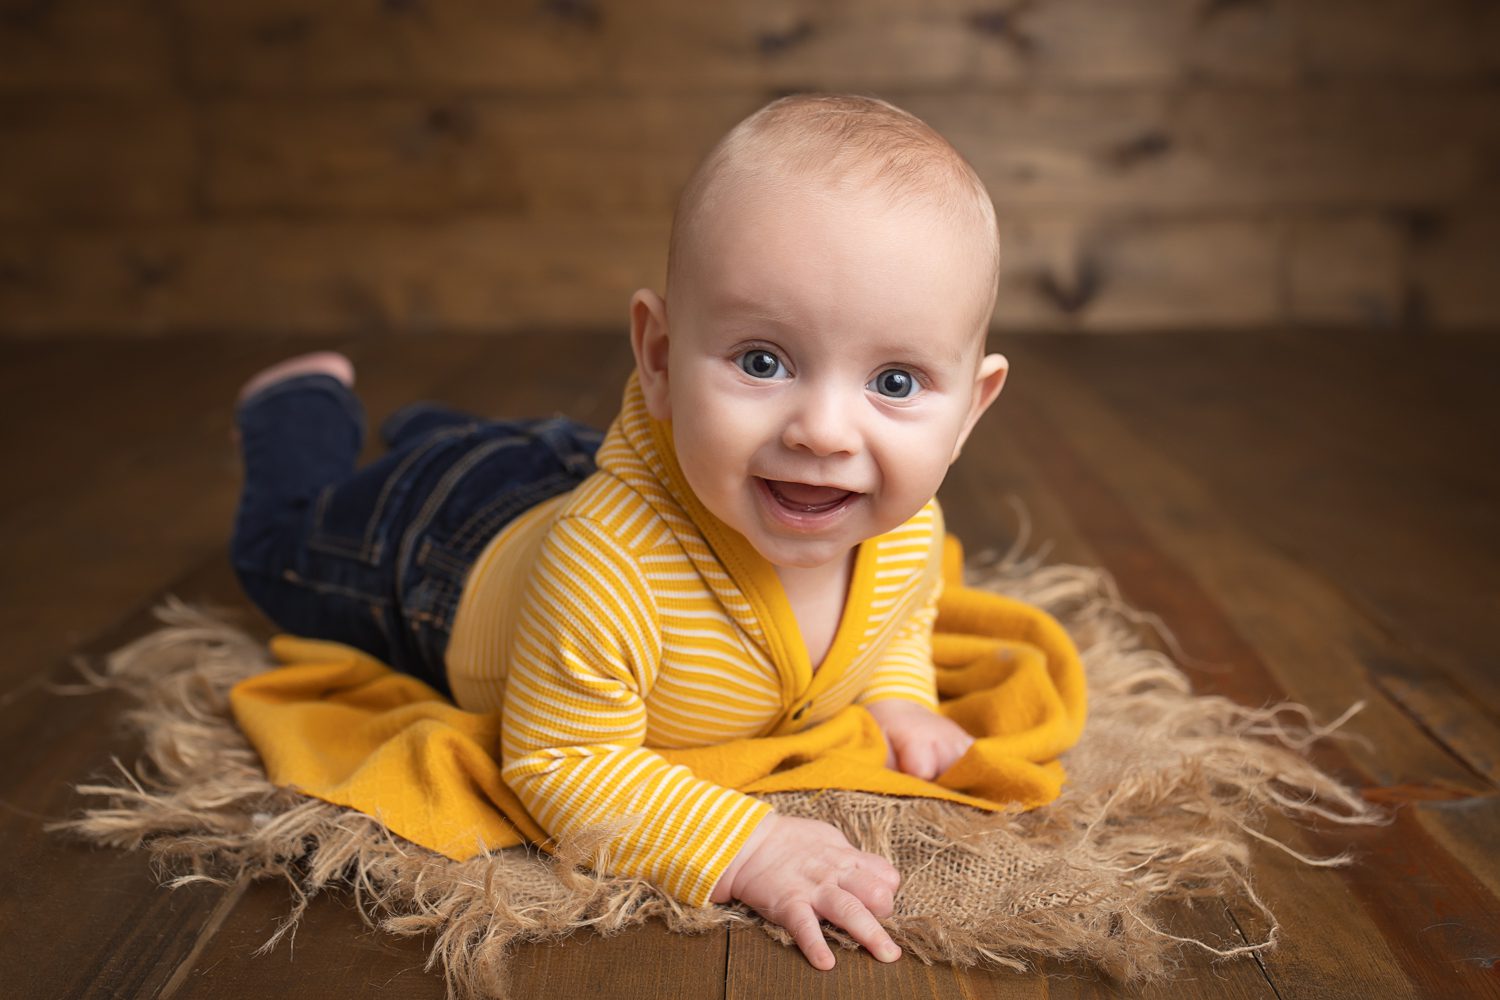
(1166, 792)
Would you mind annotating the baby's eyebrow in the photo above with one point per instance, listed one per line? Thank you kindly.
(921, 351)
(734, 307)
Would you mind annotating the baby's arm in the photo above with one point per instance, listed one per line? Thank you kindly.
(572, 729)
(573, 722)
(902, 694)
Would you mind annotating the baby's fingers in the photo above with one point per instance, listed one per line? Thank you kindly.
(874, 885)
(847, 911)
(805, 929)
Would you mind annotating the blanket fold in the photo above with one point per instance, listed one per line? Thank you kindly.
(337, 724)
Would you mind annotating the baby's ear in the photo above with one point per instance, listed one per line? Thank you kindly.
(987, 385)
(648, 339)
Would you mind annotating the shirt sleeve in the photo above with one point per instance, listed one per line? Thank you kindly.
(906, 670)
(585, 656)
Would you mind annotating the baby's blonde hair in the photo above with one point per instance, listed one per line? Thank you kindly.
(844, 139)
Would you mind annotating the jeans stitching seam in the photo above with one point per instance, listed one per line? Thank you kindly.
(503, 509)
(434, 500)
(386, 487)
(322, 586)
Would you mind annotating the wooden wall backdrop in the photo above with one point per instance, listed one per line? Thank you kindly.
(225, 166)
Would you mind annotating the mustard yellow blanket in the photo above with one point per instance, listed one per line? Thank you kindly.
(343, 727)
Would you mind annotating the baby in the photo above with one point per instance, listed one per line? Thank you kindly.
(753, 547)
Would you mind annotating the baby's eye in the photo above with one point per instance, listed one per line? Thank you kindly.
(761, 363)
(893, 383)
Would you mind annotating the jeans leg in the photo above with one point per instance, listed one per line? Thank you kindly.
(298, 437)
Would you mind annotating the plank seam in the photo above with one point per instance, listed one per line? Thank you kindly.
(1260, 960)
(206, 934)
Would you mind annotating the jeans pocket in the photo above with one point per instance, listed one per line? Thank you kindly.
(496, 481)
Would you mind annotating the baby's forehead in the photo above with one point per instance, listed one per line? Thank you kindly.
(757, 198)
(773, 182)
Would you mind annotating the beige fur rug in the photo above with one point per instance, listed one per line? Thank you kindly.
(1167, 791)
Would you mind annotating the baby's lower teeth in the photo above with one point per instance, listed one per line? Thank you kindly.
(802, 506)
(811, 508)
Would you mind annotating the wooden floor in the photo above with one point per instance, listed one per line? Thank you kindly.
(1314, 515)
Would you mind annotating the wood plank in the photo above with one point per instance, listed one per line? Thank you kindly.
(1270, 607)
(1263, 597)
(1450, 714)
(82, 921)
(1073, 272)
(1360, 470)
(1316, 953)
(1469, 830)
(1453, 270)
(1217, 149)
(1329, 943)
(1346, 269)
(299, 46)
(759, 967)
(114, 419)
(366, 962)
(461, 275)
(648, 961)
(571, 155)
(1437, 918)
(1203, 149)
(113, 47)
(492, 275)
(89, 159)
(1061, 270)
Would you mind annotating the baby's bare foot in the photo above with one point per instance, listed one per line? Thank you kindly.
(317, 363)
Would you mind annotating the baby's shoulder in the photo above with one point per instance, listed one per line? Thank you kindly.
(605, 507)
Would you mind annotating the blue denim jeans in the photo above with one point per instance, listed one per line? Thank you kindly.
(377, 557)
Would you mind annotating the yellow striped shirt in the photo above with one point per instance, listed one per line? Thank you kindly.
(624, 616)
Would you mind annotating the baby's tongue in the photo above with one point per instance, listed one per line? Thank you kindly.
(803, 495)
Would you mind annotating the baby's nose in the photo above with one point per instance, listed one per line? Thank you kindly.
(825, 424)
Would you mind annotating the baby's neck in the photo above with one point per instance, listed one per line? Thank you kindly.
(817, 595)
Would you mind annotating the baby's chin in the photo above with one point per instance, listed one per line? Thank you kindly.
(806, 555)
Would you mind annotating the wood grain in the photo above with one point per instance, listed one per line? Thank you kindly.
(1394, 916)
(228, 166)
(86, 47)
(346, 45)
(648, 961)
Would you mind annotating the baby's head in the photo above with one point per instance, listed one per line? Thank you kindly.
(820, 347)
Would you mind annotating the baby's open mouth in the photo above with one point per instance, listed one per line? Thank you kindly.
(804, 498)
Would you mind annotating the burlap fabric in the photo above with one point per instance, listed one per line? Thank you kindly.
(1166, 792)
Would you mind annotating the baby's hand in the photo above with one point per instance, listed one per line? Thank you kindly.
(922, 742)
(793, 871)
